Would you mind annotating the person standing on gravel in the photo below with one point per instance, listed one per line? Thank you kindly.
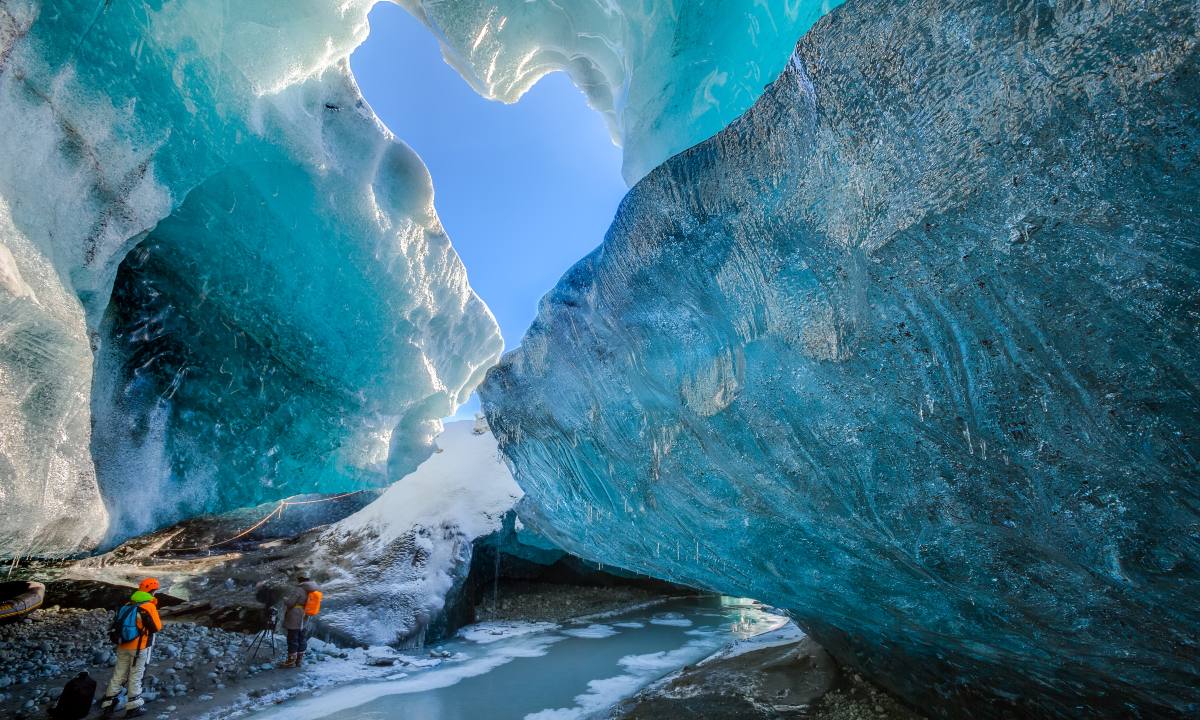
(133, 632)
(299, 604)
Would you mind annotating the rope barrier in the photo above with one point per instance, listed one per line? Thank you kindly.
(277, 511)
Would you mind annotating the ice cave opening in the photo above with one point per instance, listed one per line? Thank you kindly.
(523, 188)
(883, 314)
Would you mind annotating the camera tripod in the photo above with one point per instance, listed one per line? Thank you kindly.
(265, 634)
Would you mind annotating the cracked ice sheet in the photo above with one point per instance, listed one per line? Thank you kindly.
(671, 619)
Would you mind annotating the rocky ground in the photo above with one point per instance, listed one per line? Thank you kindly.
(535, 601)
(206, 672)
(40, 653)
(784, 677)
(785, 681)
(195, 671)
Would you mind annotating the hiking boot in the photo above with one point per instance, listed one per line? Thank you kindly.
(289, 663)
(299, 660)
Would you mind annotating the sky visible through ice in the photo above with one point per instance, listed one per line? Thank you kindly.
(523, 190)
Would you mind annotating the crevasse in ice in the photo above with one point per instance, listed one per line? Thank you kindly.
(213, 253)
(910, 349)
(665, 75)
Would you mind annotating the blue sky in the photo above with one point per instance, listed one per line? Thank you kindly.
(524, 190)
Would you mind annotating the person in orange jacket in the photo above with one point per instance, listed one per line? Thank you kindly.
(133, 633)
(300, 604)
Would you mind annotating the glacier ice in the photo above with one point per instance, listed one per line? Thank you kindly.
(222, 280)
(47, 487)
(665, 75)
(392, 565)
(911, 349)
(390, 570)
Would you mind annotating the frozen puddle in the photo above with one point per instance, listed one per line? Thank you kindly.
(541, 671)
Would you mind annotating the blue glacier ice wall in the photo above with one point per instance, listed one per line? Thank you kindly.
(222, 280)
(665, 75)
(911, 348)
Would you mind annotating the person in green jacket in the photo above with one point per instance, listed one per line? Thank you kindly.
(140, 617)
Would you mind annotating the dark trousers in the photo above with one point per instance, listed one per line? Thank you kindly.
(297, 641)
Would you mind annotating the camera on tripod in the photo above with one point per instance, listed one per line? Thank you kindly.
(269, 597)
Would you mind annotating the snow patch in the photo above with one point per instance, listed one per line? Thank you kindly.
(594, 631)
(785, 634)
(464, 484)
(393, 563)
(672, 619)
(485, 633)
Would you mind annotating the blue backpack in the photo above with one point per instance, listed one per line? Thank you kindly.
(124, 626)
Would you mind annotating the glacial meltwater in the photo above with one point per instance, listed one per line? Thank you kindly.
(546, 671)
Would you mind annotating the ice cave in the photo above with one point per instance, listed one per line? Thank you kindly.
(869, 386)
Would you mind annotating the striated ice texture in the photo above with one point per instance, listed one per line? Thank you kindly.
(665, 75)
(911, 349)
(222, 281)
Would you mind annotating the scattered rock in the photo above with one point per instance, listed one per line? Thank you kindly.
(799, 680)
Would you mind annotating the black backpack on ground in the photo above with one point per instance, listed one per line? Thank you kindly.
(76, 699)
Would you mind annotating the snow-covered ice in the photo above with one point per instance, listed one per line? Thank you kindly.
(485, 633)
(672, 619)
(640, 671)
(594, 631)
(391, 566)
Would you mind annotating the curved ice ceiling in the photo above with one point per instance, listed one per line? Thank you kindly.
(665, 75)
(288, 314)
(223, 281)
(912, 349)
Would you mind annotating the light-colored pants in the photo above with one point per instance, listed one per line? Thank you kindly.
(127, 668)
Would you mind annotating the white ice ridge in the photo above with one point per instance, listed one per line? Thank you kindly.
(665, 75)
(207, 129)
(393, 563)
